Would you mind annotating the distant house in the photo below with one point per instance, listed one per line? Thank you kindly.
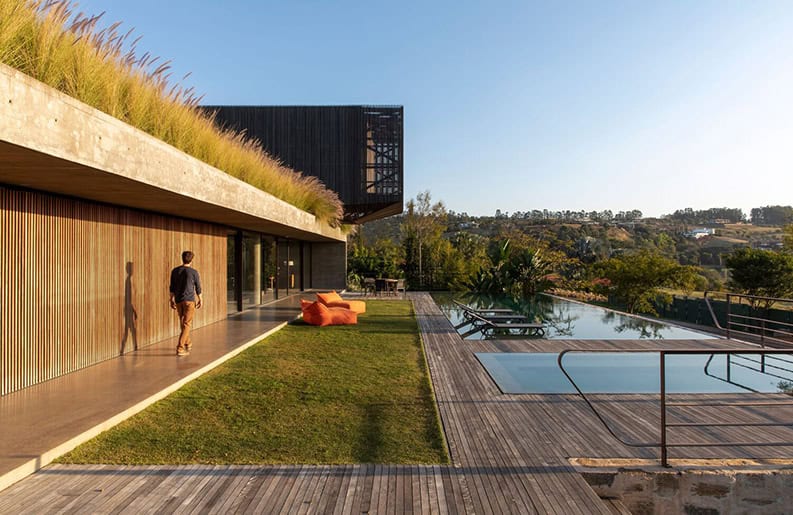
(717, 223)
(468, 225)
(700, 233)
(768, 245)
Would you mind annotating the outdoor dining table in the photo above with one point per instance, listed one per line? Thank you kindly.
(386, 285)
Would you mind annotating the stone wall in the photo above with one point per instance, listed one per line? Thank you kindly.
(696, 492)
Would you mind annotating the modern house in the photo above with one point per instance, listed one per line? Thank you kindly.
(94, 214)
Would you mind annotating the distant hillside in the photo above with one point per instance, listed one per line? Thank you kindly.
(619, 234)
(668, 235)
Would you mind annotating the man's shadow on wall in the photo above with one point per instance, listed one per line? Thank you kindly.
(130, 313)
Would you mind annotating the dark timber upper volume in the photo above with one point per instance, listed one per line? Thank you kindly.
(354, 150)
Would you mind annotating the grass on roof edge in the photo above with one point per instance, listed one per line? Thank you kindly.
(48, 41)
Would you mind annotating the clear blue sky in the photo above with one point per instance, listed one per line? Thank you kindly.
(519, 105)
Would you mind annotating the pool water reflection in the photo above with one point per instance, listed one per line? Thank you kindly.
(565, 319)
(517, 373)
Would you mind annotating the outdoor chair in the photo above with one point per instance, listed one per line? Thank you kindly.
(369, 286)
(400, 287)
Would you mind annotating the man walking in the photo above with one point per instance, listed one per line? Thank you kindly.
(185, 299)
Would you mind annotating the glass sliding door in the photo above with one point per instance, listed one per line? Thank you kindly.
(251, 270)
(284, 266)
(296, 268)
(269, 269)
(258, 265)
(231, 272)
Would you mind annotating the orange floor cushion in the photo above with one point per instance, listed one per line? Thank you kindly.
(327, 298)
(343, 316)
(316, 313)
(334, 300)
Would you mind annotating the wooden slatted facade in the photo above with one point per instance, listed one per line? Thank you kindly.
(357, 151)
(65, 291)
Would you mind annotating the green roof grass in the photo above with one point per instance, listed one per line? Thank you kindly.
(102, 68)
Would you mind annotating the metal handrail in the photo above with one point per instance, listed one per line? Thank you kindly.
(728, 379)
(663, 443)
(734, 320)
(591, 406)
(763, 369)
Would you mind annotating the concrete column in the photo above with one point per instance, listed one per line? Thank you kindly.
(329, 266)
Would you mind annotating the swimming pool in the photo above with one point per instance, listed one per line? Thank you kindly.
(565, 319)
(614, 372)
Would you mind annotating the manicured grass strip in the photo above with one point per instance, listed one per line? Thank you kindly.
(348, 394)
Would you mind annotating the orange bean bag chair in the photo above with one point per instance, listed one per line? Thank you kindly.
(334, 300)
(316, 313)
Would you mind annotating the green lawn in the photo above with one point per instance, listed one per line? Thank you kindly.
(348, 394)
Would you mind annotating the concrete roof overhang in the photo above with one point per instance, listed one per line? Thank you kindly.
(52, 142)
(390, 210)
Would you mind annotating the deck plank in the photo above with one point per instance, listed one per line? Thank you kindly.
(228, 500)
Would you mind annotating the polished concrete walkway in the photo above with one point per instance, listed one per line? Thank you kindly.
(44, 421)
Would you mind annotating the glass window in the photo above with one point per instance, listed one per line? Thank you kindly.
(251, 270)
(231, 272)
(269, 269)
(285, 264)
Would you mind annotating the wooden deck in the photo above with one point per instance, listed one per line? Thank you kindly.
(510, 452)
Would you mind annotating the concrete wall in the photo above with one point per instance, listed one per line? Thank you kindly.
(52, 142)
(329, 266)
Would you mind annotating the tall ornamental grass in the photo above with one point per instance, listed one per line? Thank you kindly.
(102, 67)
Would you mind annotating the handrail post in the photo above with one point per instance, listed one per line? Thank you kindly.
(729, 367)
(762, 332)
(664, 460)
(728, 315)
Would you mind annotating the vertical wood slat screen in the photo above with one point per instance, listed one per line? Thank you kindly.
(63, 282)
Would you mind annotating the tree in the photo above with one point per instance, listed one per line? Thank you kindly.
(471, 251)
(422, 226)
(637, 279)
(690, 216)
(493, 277)
(772, 215)
(519, 265)
(761, 272)
(530, 270)
(787, 238)
(383, 258)
(432, 261)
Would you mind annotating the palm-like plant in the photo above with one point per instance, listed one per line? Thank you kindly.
(529, 271)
